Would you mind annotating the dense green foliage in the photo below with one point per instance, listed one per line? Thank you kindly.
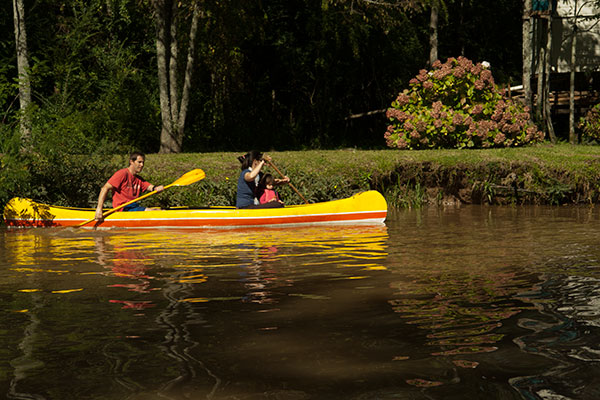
(280, 74)
(457, 104)
(89, 71)
(590, 124)
(55, 176)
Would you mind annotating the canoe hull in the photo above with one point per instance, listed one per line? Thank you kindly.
(363, 208)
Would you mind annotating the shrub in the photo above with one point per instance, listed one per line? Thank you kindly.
(53, 169)
(458, 105)
(590, 124)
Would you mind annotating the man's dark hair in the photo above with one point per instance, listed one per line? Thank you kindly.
(135, 155)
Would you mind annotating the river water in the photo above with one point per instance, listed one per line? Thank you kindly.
(462, 303)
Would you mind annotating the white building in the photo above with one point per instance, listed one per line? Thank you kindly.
(586, 15)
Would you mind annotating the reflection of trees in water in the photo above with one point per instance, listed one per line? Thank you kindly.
(130, 262)
(22, 251)
(178, 344)
(27, 362)
(461, 311)
(565, 331)
(262, 263)
(580, 296)
(455, 282)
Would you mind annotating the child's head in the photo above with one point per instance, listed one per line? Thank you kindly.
(267, 181)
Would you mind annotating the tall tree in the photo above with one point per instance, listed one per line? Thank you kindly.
(527, 47)
(547, 71)
(173, 101)
(433, 33)
(543, 70)
(23, 67)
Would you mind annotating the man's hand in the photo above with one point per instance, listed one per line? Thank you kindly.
(99, 217)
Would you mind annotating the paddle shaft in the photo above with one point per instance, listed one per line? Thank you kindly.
(289, 183)
(112, 210)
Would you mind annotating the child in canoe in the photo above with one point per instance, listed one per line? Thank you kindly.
(266, 192)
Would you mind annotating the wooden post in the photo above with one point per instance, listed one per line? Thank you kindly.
(547, 69)
(572, 135)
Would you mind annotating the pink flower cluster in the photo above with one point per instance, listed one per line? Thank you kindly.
(402, 99)
(398, 115)
(457, 104)
(459, 68)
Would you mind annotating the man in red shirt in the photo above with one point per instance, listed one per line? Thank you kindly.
(126, 185)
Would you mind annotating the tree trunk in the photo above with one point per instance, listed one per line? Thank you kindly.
(173, 104)
(527, 52)
(433, 33)
(543, 78)
(109, 8)
(168, 143)
(187, 80)
(539, 103)
(23, 68)
(547, 71)
(572, 134)
(173, 64)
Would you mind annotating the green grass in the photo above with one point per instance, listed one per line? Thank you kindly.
(544, 173)
(333, 162)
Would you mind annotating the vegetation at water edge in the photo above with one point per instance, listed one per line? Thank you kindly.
(540, 174)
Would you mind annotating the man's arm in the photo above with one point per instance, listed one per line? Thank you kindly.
(101, 199)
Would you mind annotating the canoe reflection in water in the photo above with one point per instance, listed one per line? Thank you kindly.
(181, 314)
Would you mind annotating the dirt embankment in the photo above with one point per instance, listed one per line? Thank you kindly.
(418, 183)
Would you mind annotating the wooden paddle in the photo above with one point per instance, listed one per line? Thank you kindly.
(188, 178)
(289, 183)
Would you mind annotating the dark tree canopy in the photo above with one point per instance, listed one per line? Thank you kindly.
(283, 74)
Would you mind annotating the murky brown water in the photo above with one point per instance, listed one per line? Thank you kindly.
(464, 303)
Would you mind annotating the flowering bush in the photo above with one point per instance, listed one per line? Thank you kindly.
(458, 105)
(590, 124)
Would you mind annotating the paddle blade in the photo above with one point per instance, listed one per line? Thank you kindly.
(188, 178)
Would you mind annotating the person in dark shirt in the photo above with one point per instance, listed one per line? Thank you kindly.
(252, 164)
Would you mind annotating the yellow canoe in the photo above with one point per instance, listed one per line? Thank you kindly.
(367, 207)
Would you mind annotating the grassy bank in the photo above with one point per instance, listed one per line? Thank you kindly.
(543, 174)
